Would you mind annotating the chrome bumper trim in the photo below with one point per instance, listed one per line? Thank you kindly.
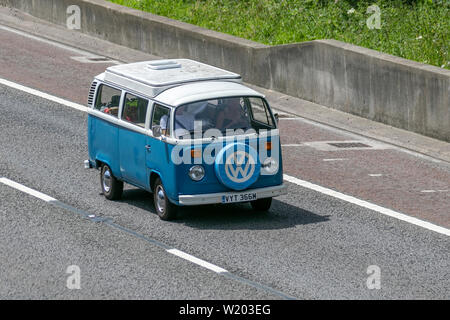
(210, 198)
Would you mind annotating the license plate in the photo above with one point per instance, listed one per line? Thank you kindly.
(239, 197)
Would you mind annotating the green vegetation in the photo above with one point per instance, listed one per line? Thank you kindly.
(412, 29)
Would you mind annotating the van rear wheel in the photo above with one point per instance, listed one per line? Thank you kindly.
(165, 209)
(261, 204)
(111, 187)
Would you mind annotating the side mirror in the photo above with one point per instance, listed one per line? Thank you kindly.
(277, 117)
(156, 131)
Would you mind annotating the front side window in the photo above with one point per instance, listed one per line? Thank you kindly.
(161, 119)
(260, 111)
(108, 100)
(135, 110)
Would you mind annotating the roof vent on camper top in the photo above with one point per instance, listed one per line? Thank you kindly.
(163, 64)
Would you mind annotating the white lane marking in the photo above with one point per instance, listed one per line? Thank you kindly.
(197, 261)
(43, 95)
(336, 159)
(434, 191)
(368, 205)
(375, 174)
(175, 252)
(27, 190)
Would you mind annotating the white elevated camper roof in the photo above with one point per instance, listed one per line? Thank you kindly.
(153, 77)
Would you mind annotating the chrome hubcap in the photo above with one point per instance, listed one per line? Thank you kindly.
(107, 180)
(160, 199)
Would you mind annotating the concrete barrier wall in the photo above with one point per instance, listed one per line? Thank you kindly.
(364, 82)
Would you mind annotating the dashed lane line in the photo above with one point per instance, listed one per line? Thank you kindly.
(335, 159)
(435, 191)
(167, 248)
(196, 260)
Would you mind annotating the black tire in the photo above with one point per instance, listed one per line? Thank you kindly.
(261, 204)
(165, 209)
(111, 187)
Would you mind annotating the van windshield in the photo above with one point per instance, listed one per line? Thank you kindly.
(222, 114)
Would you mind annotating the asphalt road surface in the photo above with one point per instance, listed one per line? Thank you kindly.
(357, 223)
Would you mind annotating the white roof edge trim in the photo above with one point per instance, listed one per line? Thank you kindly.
(100, 77)
(215, 95)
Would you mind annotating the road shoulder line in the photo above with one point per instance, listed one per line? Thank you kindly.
(43, 95)
(368, 205)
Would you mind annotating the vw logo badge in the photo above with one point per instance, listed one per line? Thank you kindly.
(237, 166)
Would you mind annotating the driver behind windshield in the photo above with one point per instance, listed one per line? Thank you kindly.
(223, 114)
(232, 115)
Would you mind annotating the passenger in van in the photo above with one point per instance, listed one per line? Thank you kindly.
(163, 124)
(132, 113)
(232, 115)
(112, 110)
(113, 106)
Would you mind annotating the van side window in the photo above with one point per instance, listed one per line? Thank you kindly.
(135, 110)
(108, 100)
(161, 117)
(260, 111)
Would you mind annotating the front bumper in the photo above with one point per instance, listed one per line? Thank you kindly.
(210, 198)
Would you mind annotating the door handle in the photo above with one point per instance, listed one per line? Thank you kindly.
(148, 147)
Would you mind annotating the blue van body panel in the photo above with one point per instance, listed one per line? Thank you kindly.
(132, 156)
(158, 160)
(103, 143)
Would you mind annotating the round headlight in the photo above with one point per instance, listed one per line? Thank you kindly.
(196, 173)
(270, 166)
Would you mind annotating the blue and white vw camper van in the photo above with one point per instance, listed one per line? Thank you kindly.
(188, 132)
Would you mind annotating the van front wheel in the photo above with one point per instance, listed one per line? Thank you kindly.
(261, 204)
(111, 187)
(165, 209)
